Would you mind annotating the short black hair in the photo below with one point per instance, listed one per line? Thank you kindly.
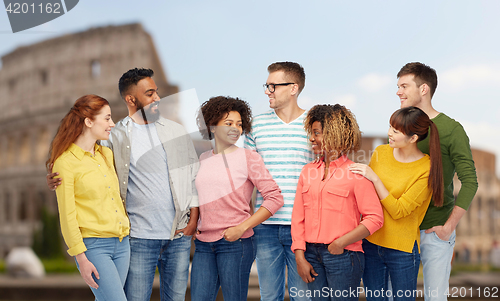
(213, 110)
(132, 77)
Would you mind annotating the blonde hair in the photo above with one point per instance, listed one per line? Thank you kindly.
(340, 129)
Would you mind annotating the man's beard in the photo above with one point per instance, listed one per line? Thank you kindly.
(149, 113)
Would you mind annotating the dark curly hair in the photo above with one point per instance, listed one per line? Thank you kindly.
(132, 77)
(340, 129)
(216, 108)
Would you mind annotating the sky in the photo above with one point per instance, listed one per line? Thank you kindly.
(351, 51)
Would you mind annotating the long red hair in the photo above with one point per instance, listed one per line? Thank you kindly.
(413, 121)
(72, 124)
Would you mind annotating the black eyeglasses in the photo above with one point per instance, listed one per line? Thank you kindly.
(272, 87)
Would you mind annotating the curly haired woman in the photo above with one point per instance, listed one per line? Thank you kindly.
(334, 209)
(224, 244)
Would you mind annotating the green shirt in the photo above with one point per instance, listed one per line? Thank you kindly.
(457, 157)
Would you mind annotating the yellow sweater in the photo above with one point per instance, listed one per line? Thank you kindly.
(408, 199)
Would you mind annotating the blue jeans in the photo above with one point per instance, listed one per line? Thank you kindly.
(339, 276)
(402, 267)
(436, 262)
(222, 264)
(110, 257)
(172, 259)
(274, 255)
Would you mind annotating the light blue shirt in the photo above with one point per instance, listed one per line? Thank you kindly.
(150, 204)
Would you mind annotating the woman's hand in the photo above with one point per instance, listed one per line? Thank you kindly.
(233, 233)
(364, 170)
(86, 270)
(335, 248)
(304, 268)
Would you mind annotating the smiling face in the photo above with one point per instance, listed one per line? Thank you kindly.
(281, 97)
(408, 91)
(316, 137)
(397, 139)
(228, 130)
(145, 97)
(100, 127)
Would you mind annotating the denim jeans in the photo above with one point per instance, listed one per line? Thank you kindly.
(222, 264)
(402, 267)
(110, 256)
(339, 276)
(172, 259)
(436, 262)
(274, 255)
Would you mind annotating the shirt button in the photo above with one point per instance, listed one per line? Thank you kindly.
(124, 183)
(99, 165)
(128, 146)
(109, 186)
(126, 165)
(116, 210)
(112, 199)
(104, 175)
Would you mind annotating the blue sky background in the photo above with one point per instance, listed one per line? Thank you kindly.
(351, 51)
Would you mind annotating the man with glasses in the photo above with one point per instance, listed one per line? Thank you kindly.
(279, 137)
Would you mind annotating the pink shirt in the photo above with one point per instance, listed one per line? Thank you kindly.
(326, 210)
(225, 184)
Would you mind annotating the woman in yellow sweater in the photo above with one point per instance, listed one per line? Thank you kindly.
(93, 220)
(405, 179)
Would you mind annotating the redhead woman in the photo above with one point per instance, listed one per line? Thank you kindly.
(405, 179)
(94, 224)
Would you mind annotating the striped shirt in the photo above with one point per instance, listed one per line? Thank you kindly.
(285, 150)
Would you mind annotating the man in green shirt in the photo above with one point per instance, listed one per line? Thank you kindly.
(416, 86)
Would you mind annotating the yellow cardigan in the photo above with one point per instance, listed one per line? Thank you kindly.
(408, 199)
(89, 197)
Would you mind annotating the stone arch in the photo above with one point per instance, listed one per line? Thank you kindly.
(24, 149)
(42, 145)
(11, 151)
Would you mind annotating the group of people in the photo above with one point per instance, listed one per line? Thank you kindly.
(131, 196)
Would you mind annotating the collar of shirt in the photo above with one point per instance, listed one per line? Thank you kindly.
(337, 162)
(78, 152)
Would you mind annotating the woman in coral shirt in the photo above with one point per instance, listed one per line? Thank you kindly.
(334, 209)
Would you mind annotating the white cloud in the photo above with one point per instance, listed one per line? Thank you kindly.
(374, 82)
(306, 102)
(347, 100)
(467, 76)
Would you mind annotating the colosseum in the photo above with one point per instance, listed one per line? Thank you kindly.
(43, 80)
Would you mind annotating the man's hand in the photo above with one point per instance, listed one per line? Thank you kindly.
(86, 270)
(441, 231)
(304, 268)
(233, 233)
(335, 248)
(189, 230)
(52, 182)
